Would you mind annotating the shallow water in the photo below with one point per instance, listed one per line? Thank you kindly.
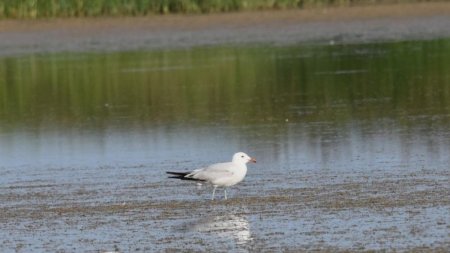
(352, 145)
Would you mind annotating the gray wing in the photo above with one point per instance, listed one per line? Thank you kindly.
(213, 172)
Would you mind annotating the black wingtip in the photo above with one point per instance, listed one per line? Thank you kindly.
(181, 175)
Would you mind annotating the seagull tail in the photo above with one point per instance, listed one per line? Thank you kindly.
(181, 175)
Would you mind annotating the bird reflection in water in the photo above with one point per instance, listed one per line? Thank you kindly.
(228, 226)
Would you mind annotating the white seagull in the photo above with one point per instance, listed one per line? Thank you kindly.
(219, 174)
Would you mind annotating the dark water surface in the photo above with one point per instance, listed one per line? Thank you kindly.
(335, 107)
(100, 129)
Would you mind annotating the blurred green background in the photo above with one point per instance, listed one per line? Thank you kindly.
(312, 83)
(83, 8)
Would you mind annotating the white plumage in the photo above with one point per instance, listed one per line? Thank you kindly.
(219, 174)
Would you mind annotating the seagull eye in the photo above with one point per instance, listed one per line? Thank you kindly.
(242, 156)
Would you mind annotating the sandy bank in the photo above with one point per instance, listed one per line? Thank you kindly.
(337, 25)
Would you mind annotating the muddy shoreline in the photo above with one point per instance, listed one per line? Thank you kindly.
(335, 25)
(392, 211)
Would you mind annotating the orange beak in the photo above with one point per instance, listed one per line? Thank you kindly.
(253, 160)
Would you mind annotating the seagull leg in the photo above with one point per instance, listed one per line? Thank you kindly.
(214, 192)
(225, 193)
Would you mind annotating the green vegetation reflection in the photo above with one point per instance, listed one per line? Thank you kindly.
(227, 85)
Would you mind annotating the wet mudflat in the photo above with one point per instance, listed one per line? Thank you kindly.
(358, 24)
(326, 211)
(352, 143)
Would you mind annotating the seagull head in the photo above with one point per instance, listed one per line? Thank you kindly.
(243, 158)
